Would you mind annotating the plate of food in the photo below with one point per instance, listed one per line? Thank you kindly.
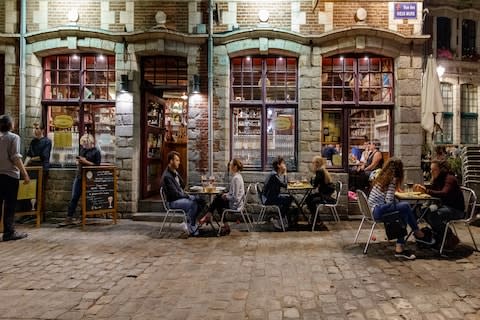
(196, 188)
(221, 189)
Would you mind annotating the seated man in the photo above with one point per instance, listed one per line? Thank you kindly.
(174, 186)
(271, 191)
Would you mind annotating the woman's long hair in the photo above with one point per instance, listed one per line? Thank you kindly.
(393, 169)
(319, 163)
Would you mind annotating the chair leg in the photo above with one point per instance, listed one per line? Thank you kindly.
(444, 237)
(471, 235)
(164, 219)
(315, 218)
(247, 223)
(369, 237)
(281, 219)
(335, 214)
(221, 223)
(358, 231)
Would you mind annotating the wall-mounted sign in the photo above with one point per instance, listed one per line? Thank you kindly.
(405, 10)
(282, 123)
(63, 121)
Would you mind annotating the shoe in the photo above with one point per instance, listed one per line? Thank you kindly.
(14, 236)
(405, 254)
(276, 224)
(193, 230)
(425, 240)
(206, 219)
(67, 222)
(225, 230)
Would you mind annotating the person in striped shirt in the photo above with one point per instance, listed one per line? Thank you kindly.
(382, 200)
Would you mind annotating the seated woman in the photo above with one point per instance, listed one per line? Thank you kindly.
(444, 185)
(382, 200)
(372, 163)
(230, 200)
(323, 183)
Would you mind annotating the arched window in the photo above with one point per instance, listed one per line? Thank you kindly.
(263, 101)
(469, 114)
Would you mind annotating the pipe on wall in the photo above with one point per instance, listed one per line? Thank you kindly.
(210, 87)
(22, 89)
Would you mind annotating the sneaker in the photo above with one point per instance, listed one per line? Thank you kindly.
(425, 240)
(405, 254)
(67, 222)
(14, 236)
(276, 224)
(193, 230)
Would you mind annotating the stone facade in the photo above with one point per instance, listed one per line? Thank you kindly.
(129, 29)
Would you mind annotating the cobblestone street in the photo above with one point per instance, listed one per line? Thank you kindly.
(130, 271)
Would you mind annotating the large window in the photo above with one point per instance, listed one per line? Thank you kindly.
(357, 99)
(264, 110)
(79, 97)
(469, 35)
(447, 116)
(469, 114)
(444, 31)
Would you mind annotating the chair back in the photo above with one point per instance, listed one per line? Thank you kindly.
(470, 202)
(338, 191)
(259, 190)
(164, 199)
(363, 205)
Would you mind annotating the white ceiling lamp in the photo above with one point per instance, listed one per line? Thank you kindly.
(263, 16)
(73, 16)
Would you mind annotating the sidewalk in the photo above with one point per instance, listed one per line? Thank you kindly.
(130, 271)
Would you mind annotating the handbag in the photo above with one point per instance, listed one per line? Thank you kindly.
(395, 227)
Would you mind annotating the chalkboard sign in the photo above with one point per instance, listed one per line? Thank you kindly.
(99, 191)
(29, 196)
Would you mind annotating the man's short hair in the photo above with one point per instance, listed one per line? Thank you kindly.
(171, 155)
(276, 163)
(6, 123)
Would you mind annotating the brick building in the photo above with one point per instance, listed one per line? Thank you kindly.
(289, 78)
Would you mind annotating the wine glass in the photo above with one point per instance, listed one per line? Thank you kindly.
(110, 200)
(33, 202)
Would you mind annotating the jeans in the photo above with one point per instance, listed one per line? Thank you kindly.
(76, 194)
(189, 205)
(283, 201)
(405, 212)
(437, 219)
(8, 196)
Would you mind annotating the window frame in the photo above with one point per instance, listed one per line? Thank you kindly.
(252, 80)
(468, 114)
(345, 107)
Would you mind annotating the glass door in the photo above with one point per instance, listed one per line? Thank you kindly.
(153, 112)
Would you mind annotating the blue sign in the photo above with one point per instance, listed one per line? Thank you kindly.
(405, 10)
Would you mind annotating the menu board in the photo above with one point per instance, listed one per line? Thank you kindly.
(29, 195)
(99, 194)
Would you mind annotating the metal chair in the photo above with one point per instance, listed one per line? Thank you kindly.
(470, 201)
(242, 210)
(170, 211)
(264, 207)
(331, 206)
(367, 217)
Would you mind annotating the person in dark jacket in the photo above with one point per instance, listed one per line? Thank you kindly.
(322, 182)
(444, 185)
(89, 156)
(177, 198)
(38, 153)
(271, 194)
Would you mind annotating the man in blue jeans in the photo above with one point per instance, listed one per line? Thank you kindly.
(177, 198)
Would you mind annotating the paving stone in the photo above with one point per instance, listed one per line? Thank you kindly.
(123, 272)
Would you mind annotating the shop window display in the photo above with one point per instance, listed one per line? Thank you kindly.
(79, 97)
(264, 111)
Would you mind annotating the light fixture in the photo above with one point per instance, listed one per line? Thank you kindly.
(184, 96)
(263, 15)
(196, 84)
(440, 71)
(124, 83)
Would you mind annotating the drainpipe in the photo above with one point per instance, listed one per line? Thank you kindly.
(210, 87)
(22, 93)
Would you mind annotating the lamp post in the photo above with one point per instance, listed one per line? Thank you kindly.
(210, 87)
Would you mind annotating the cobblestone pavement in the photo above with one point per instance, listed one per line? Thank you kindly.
(130, 271)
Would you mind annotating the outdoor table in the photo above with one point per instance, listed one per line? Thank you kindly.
(211, 192)
(299, 187)
(416, 200)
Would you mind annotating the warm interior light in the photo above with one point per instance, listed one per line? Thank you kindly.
(440, 71)
(184, 96)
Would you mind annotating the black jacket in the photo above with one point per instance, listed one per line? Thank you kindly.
(173, 189)
(273, 185)
(40, 148)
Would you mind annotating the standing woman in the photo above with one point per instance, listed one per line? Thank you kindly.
(322, 182)
(10, 167)
(382, 200)
(230, 200)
